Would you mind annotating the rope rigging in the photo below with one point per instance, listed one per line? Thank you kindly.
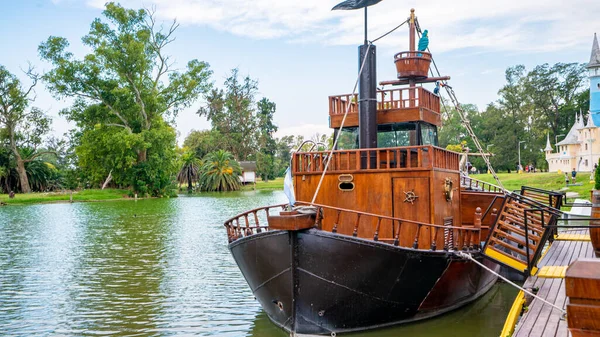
(450, 93)
(362, 65)
(463, 116)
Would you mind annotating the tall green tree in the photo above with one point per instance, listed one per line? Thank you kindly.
(553, 93)
(232, 112)
(24, 127)
(265, 159)
(205, 141)
(126, 87)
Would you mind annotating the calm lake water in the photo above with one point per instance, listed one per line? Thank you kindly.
(156, 268)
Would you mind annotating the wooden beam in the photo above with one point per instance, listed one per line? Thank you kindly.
(424, 80)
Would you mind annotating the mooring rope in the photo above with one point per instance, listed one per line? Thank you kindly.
(468, 256)
(348, 109)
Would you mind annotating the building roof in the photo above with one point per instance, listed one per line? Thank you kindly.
(590, 122)
(573, 134)
(548, 146)
(248, 165)
(595, 57)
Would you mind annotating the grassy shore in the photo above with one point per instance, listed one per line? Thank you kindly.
(548, 181)
(78, 196)
(276, 184)
(512, 181)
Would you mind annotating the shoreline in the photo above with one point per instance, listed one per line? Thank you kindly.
(97, 195)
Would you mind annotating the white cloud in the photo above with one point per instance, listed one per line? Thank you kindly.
(306, 130)
(510, 25)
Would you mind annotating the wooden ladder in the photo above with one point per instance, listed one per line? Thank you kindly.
(520, 233)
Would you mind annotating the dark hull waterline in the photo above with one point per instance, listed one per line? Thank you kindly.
(316, 282)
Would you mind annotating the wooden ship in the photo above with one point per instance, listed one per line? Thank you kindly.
(376, 246)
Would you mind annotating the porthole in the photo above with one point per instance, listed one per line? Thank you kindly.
(346, 186)
(345, 177)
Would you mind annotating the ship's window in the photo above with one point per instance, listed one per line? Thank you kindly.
(346, 186)
(429, 134)
(348, 139)
(398, 134)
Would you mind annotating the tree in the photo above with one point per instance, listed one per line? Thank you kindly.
(220, 172)
(231, 111)
(283, 154)
(23, 127)
(265, 158)
(205, 141)
(266, 128)
(125, 88)
(553, 92)
(190, 169)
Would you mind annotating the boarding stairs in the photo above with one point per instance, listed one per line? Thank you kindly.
(525, 222)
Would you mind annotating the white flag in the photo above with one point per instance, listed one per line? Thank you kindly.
(288, 187)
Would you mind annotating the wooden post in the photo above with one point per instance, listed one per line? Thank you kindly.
(493, 216)
(595, 232)
(582, 286)
(477, 225)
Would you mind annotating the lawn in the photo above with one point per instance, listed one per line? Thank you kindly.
(276, 184)
(547, 181)
(84, 195)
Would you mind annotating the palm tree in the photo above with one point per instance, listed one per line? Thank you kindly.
(220, 172)
(190, 169)
(40, 175)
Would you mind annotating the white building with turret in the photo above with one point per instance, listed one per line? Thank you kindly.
(580, 149)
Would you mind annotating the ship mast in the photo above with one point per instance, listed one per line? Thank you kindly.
(411, 47)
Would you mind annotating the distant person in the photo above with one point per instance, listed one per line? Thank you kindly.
(573, 175)
(566, 179)
(11, 195)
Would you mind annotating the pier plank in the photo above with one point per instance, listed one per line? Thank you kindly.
(541, 319)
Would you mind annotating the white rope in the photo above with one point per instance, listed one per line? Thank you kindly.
(341, 125)
(468, 256)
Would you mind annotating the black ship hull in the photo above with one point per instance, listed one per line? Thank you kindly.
(316, 282)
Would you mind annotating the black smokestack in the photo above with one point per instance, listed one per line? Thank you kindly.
(367, 99)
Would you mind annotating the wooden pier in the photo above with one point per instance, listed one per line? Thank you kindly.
(533, 317)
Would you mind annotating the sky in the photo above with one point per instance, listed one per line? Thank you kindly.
(301, 52)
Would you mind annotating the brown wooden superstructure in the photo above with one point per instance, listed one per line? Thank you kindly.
(373, 238)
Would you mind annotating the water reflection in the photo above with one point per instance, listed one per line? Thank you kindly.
(483, 318)
(154, 267)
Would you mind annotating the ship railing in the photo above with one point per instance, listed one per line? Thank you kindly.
(479, 185)
(401, 98)
(445, 237)
(388, 159)
(445, 159)
(251, 222)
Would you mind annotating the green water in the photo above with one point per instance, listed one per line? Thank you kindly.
(155, 268)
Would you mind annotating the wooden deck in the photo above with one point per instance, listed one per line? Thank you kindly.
(541, 319)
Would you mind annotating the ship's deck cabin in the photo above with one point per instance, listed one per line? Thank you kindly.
(405, 117)
(406, 175)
